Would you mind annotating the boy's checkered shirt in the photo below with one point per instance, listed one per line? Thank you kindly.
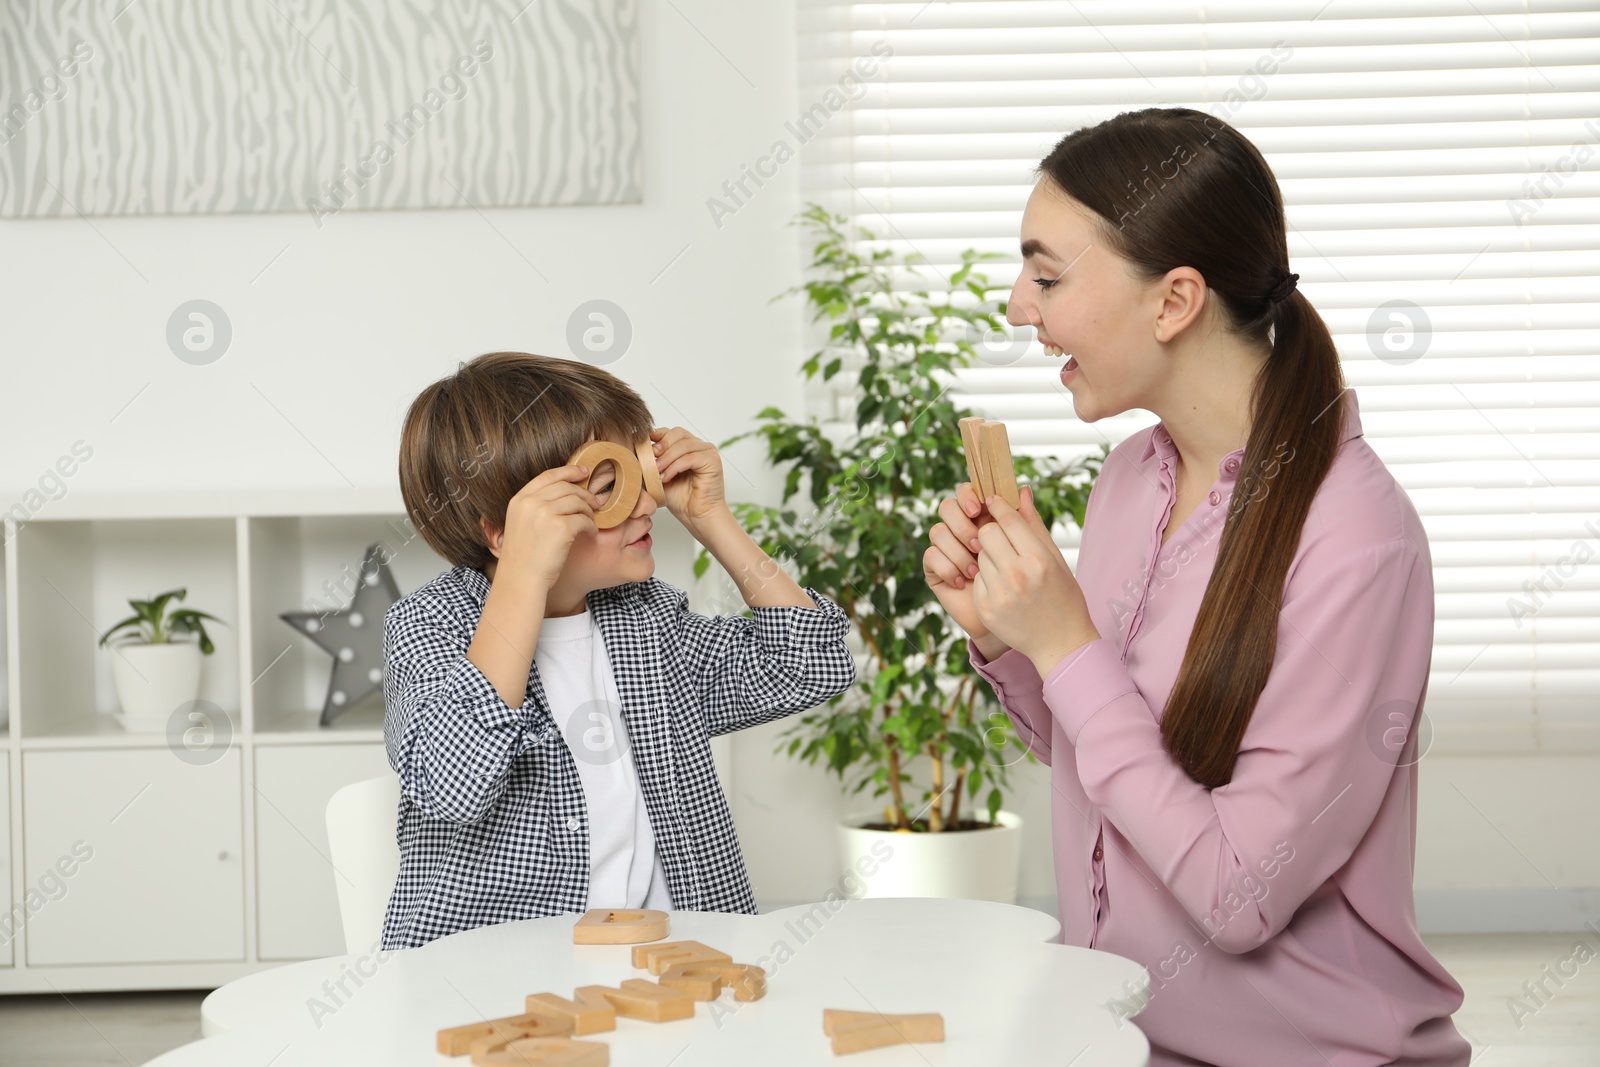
(492, 823)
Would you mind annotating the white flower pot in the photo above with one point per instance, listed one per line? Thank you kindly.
(153, 681)
(974, 864)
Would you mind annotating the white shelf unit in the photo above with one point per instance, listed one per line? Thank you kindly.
(124, 865)
(10, 828)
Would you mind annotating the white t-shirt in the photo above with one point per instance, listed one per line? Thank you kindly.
(587, 709)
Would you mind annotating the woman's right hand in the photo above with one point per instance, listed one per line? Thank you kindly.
(951, 562)
(543, 520)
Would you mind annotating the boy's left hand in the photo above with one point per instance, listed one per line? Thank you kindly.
(691, 473)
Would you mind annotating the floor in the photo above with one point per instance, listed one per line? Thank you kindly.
(1556, 1027)
(96, 1029)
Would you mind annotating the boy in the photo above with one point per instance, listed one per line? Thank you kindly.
(549, 703)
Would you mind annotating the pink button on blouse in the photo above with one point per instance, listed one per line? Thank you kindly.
(1275, 913)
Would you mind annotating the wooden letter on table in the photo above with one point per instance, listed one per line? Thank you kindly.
(642, 999)
(550, 1052)
(585, 1014)
(457, 1040)
(857, 1031)
(657, 958)
(618, 926)
(703, 980)
(539, 1026)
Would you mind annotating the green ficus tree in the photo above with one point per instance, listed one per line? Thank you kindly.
(920, 726)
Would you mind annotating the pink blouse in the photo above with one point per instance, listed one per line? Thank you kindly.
(1275, 913)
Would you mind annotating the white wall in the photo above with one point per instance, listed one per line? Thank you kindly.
(335, 337)
(337, 334)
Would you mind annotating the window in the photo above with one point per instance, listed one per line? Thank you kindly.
(1446, 156)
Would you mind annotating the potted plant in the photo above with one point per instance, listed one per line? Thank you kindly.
(156, 669)
(919, 712)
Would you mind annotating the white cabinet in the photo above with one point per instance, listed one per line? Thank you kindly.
(297, 904)
(147, 850)
(136, 865)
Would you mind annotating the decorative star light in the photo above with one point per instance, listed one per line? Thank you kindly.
(354, 636)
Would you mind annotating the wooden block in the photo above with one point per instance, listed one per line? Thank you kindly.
(457, 1040)
(640, 998)
(973, 448)
(550, 1052)
(705, 980)
(857, 1031)
(618, 926)
(539, 1026)
(652, 473)
(659, 957)
(586, 1015)
(996, 448)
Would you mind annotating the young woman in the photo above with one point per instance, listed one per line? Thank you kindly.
(1224, 691)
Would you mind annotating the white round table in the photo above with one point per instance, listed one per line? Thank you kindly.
(1008, 993)
(271, 994)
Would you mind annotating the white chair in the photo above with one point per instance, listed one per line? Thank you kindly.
(366, 860)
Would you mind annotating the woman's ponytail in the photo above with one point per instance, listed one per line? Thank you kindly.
(1221, 213)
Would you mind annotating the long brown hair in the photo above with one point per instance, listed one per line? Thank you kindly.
(1176, 187)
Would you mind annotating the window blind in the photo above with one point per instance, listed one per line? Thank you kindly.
(1443, 155)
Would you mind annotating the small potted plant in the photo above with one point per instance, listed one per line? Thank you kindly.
(919, 712)
(156, 667)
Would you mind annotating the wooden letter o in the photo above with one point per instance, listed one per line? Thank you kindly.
(625, 493)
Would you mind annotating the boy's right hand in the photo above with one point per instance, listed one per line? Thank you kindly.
(950, 563)
(543, 520)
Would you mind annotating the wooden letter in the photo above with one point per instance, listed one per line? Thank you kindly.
(705, 979)
(586, 1015)
(652, 473)
(539, 1026)
(1001, 473)
(702, 981)
(616, 926)
(457, 1040)
(857, 1031)
(625, 491)
(658, 958)
(550, 1052)
(973, 446)
(640, 998)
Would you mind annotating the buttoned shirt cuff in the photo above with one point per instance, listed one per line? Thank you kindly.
(1085, 681)
(782, 626)
(1011, 673)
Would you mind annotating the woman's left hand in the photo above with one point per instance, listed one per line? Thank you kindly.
(1024, 591)
(691, 473)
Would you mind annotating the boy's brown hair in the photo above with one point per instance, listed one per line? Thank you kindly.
(472, 440)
